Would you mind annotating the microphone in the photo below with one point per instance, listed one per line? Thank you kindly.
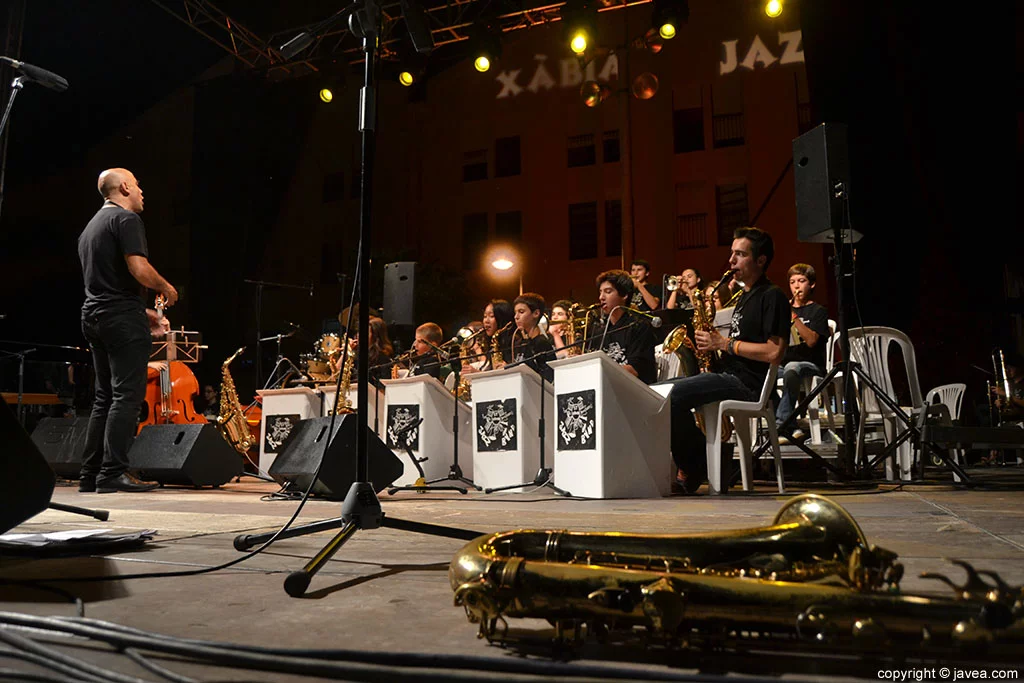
(655, 320)
(726, 279)
(45, 78)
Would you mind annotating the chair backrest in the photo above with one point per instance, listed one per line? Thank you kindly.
(830, 345)
(869, 346)
(769, 384)
(949, 395)
(669, 365)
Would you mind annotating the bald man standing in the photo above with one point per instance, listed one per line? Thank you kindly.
(118, 327)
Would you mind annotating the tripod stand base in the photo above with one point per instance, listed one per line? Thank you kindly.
(542, 480)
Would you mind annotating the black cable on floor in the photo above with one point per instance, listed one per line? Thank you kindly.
(160, 671)
(51, 658)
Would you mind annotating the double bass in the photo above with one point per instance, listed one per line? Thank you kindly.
(170, 387)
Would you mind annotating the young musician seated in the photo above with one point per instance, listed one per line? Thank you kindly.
(757, 338)
(498, 320)
(809, 337)
(628, 340)
(559, 328)
(689, 281)
(379, 352)
(475, 355)
(646, 296)
(426, 359)
(529, 345)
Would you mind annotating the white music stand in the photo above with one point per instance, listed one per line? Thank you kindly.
(506, 412)
(612, 431)
(422, 396)
(282, 410)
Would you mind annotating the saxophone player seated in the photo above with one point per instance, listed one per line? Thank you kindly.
(529, 344)
(758, 337)
(624, 335)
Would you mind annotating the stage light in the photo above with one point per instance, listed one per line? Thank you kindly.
(650, 41)
(406, 78)
(773, 8)
(668, 16)
(502, 263)
(578, 44)
(593, 93)
(485, 43)
(645, 86)
(326, 95)
(580, 21)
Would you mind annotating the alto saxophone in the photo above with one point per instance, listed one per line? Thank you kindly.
(704, 321)
(810, 581)
(497, 360)
(231, 420)
(343, 405)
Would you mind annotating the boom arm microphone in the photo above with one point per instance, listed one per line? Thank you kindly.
(45, 78)
(655, 320)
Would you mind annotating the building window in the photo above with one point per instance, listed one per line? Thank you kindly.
(506, 157)
(688, 130)
(692, 231)
(611, 146)
(803, 103)
(474, 240)
(728, 130)
(727, 113)
(613, 227)
(334, 186)
(508, 227)
(582, 231)
(474, 166)
(731, 207)
(582, 151)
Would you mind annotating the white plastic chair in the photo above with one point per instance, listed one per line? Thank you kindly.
(669, 365)
(745, 415)
(951, 396)
(869, 346)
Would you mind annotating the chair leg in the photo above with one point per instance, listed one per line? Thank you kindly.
(713, 447)
(773, 434)
(743, 437)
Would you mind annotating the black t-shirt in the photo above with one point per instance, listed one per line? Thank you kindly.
(636, 299)
(111, 235)
(761, 313)
(631, 342)
(815, 317)
(528, 350)
(427, 364)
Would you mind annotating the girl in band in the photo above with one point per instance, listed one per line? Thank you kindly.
(559, 315)
(498, 318)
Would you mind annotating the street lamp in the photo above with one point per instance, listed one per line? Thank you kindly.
(503, 262)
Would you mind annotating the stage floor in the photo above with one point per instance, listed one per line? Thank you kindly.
(388, 590)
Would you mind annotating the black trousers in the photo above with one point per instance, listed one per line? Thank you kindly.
(120, 344)
(688, 442)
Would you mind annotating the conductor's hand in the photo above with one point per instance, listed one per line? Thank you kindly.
(170, 295)
(158, 325)
(710, 341)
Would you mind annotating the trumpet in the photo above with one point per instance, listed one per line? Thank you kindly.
(673, 282)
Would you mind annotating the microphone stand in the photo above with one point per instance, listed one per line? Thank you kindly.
(544, 474)
(16, 86)
(361, 509)
(260, 284)
(280, 358)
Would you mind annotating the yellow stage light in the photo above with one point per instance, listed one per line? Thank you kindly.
(406, 78)
(326, 95)
(773, 8)
(482, 63)
(667, 31)
(579, 42)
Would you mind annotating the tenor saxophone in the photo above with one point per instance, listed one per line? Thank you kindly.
(809, 578)
(704, 320)
(343, 406)
(231, 420)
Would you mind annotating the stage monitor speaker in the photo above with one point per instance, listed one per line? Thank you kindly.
(184, 454)
(61, 440)
(820, 162)
(26, 481)
(400, 293)
(297, 463)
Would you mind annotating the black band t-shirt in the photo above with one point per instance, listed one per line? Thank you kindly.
(760, 314)
(637, 301)
(110, 236)
(631, 342)
(536, 353)
(815, 317)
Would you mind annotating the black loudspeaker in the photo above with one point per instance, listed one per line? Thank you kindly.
(297, 463)
(187, 455)
(26, 481)
(61, 440)
(399, 293)
(820, 161)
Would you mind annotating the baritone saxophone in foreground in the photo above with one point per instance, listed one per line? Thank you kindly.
(809, 579)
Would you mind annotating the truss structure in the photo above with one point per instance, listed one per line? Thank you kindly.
(450, 22)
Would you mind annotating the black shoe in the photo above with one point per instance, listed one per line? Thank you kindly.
(126, 483)
(87, 485)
